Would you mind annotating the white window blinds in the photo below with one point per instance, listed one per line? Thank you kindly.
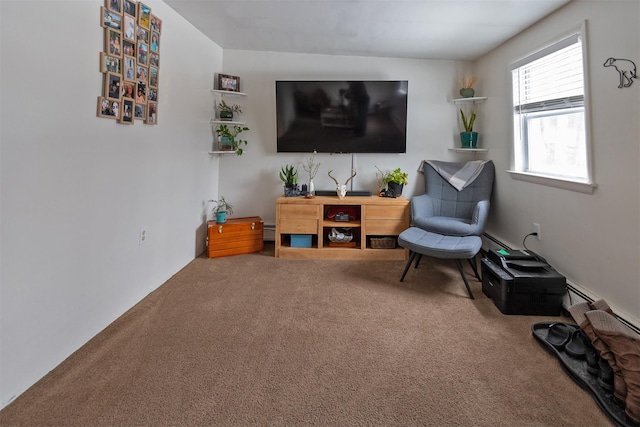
(550, 79)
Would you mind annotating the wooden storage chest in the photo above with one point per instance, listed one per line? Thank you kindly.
(234, 237)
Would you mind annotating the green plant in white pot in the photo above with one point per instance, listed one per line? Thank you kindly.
(468, 138)
(228, 138)
(221, 209)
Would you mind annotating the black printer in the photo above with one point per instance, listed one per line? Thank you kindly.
(520, 282)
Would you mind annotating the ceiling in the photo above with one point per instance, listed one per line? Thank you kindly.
(426, 29)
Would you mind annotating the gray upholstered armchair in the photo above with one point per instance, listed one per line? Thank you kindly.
(445, 210)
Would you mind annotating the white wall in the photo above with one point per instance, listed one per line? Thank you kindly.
(592, 239)
(76, 188)
(252, 182)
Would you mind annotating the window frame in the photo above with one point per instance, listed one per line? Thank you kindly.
(518, 149)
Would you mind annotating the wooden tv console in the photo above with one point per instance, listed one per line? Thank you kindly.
(379, 218)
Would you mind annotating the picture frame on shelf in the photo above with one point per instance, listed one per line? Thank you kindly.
(112, 84)
(114, 5)
(110, 19)
(113, 41)
(108, 108)
(126, 114)
(129, 8)
(144, 15)
(228, 83)
(110, 64)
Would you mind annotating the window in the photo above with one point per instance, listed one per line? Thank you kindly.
(549, 117)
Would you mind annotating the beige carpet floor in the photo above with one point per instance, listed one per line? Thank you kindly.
(255, 340)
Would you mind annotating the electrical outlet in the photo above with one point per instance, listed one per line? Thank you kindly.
(142, 236)
(536, 229)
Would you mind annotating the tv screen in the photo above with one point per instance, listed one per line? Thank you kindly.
(342, 116)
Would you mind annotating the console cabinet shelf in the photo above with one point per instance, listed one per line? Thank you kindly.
(375, 217)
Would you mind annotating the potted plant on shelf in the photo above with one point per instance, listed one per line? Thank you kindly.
(289, 175)
(466, 86)
(222, 209)
(395, 180)
(228, 138)
(226, 110)
(468, 138)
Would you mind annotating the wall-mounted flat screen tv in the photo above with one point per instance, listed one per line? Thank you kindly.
(342, 116)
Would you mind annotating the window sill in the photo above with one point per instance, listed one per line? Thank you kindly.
(566, 184)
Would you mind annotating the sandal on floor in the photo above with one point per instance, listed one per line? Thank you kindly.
(546, 333)
(576, 346)
(559, 334)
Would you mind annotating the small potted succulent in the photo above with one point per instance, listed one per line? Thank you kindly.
(228, 138)
(226, 110)
(289, 175)
(221, 209)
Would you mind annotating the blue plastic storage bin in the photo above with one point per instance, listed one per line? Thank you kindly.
(301, 240)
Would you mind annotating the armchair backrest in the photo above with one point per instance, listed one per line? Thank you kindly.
(449, 202)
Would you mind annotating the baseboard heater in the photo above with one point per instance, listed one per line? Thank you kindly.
(269, 233)
(570, 288)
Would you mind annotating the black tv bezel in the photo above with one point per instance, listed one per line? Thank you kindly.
(319, 149)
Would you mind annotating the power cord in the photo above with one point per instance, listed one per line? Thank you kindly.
(538, 257)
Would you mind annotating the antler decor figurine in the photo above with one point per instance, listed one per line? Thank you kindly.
(341, 190)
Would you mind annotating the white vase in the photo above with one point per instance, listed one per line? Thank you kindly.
(311, 189)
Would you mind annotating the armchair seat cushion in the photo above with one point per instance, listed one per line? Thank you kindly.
(448, 226)
(439, 246)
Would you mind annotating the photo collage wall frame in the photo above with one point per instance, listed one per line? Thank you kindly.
(130, 62)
